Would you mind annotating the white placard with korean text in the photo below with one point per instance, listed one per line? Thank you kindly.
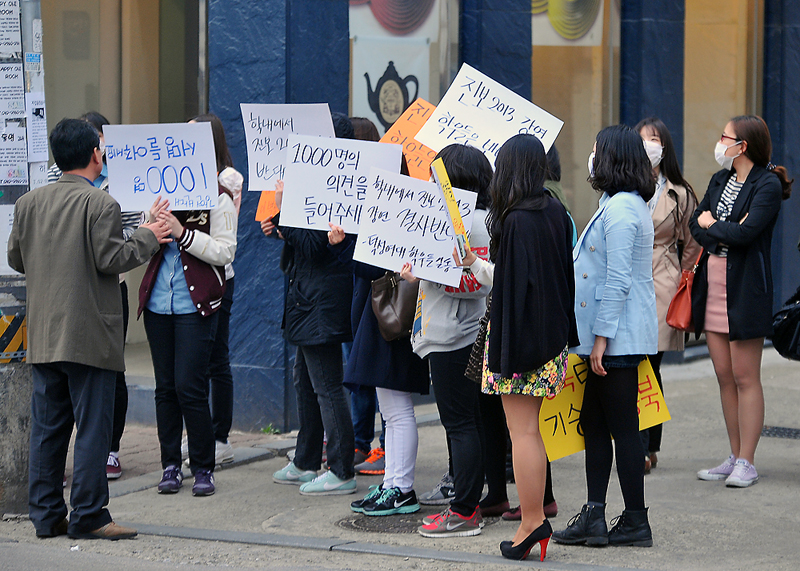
(36, 117)
(12, 91)
(406, 220)
(482, 113)
(174, 161)
(10, 35)
(6, 223)
(267, 128)
(13, 155)
(326, 180)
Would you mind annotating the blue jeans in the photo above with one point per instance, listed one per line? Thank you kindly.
(219, 370)
(181, 347)
(65, 394)
(322, 408)
(363, 401)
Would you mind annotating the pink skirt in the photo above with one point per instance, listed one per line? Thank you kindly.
(717, 300)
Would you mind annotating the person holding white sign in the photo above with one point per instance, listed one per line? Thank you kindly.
(445, 325)
(531, 321)
(316, 320)
(180, 295)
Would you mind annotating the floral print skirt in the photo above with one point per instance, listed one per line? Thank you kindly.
(546, 381)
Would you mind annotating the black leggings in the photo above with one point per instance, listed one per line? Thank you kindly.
(609, 409)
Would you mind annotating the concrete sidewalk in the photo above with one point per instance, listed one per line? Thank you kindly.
(252, 522)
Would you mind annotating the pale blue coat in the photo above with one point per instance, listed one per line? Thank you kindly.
(614, 292)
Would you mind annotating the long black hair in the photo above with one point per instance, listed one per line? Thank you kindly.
(621, 163)
(518, 182)
(468, 169)
(223, 155)
(669, 160)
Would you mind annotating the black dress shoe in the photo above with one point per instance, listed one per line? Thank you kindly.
(587, 527)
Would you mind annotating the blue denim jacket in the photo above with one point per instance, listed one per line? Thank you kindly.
(614, 292)
(170, 292)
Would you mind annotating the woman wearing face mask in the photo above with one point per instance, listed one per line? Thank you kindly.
(732, 290)
(674, 249)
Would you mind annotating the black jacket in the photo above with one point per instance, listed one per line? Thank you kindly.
(318, 294)
(749, 268)
(533, 298)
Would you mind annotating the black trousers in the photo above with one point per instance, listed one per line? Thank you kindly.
(609, 409)
(219, 370)
(121, 387)
(180, 346)
(67, 394)
(459, 411)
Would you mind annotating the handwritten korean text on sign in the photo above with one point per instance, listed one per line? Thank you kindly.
(267, 128)
(326, 180)
(406, 220)
(175, 161)
(402, 132)
(559, 417)
(482, 113)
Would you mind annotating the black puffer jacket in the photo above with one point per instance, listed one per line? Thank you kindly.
(319, 291)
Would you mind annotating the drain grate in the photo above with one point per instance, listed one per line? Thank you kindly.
(401, 523)
(781, 432)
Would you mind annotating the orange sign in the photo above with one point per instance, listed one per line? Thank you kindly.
(402, 132)
(267, 208)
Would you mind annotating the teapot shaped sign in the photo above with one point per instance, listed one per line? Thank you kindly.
(390, 97)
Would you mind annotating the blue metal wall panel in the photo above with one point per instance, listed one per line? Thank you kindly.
(652, 57)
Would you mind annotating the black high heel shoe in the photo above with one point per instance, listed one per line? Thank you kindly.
(540, 535)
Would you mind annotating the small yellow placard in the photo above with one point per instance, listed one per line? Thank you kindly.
(443, 181)
(559, 417)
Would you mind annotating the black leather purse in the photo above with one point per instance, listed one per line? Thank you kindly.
(786, 323)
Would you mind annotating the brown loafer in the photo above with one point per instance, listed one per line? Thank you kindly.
(110, 531)
(59, 529)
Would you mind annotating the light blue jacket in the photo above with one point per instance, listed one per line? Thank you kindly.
(614, 293)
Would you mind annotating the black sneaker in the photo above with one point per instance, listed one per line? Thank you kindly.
(393, 501)
(372, 495)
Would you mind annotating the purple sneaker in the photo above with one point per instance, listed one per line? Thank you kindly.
(171, 481)
(203, 483)
(721, 472)
(744, 475)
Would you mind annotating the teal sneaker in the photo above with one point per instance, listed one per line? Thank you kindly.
(327, 484)
(393, 501)
(373, 495)
(292, 475)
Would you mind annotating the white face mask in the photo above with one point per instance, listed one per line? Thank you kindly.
(725, 161)
(654, 152)
(591, 164)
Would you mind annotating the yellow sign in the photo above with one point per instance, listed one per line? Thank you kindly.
(441, 178)
(559, 417)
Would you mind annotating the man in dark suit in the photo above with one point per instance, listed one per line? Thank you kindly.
(67, 240)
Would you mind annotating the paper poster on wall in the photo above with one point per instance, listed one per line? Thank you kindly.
(389, 73)
(10, 36)
(418, 156)
(12, 91)
(326, 180)
(38, 174)
(405, 220)
(174, 161)
(6, 223)
(13, 156)
(267, 128)
(37, 126)
(480, 112)
(559, 417)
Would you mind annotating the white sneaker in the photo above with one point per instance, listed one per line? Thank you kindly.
(185, 448)
(223, 453)
(744, 475)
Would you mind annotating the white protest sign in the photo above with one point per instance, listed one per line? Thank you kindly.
(267, 128)
(480, 112)
(326, 180)
(406, 220)
(174, 161)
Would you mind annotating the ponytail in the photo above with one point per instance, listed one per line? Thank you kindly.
(783, 176)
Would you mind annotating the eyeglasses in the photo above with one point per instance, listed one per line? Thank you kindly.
(724, 136)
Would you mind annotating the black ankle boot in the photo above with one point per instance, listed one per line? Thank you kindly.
(587, 527)
(631, 528)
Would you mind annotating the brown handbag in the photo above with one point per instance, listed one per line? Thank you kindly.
(394, 302)
(679, 314)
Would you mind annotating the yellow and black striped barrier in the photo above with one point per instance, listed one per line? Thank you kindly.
(13, 337)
